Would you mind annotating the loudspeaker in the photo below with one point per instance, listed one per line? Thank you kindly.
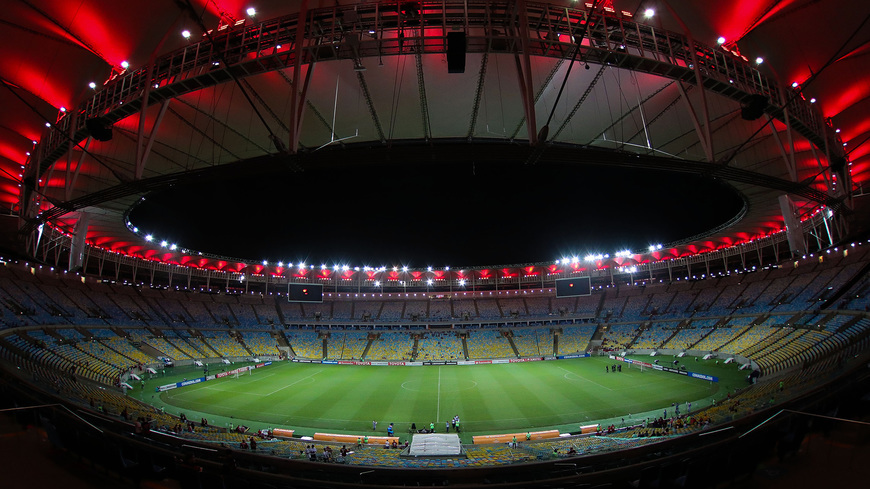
(754, 107)
(99, 129)
(455, 52)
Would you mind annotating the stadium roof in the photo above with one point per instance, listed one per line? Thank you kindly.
(221, 99)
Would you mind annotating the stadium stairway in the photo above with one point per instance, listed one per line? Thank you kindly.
(510, 337)
(196, 334)
(676, 330)
(595, 340)
(846, 287)
(365, 352)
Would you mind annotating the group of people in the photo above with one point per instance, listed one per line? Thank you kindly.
(326, 454)
(244, 445)
(453, 423)
(614, 368)
(394, 445)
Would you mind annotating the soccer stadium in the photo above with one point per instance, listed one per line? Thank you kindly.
(463, 243)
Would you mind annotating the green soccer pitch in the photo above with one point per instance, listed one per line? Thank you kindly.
(562, 394)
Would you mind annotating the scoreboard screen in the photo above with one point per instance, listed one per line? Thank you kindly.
(573, 287)
(305, 292)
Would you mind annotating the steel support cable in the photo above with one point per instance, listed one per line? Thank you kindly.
(421, 87)
(310, 105)
(541, 89)
(582, 99)
(202, 133)
(62, 133)
(279, 145)
(804, 85)
(545, 129)
(226, 126)
(478, 94)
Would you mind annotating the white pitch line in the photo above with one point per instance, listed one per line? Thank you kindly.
(294, 383)
(261, 377)
(438, 407)
(584, 378)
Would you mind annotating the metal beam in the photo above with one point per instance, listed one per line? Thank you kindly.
(143, 152)
(478, 95)
(421, 87)
(70, 182)
(582, 99)
(370, 104)
(298, 46)
(252, 50)
(524, 71)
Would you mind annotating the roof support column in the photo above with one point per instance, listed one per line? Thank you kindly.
(704, 134)
(297, 99)
(70, 182)
(787, 154)
(524, 71)
(143, 152)
(77, 245)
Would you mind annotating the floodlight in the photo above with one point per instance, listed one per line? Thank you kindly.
(795, 84)
(280, 263)
(92, 85)
(759, 60)
(429, 269)
(163, 244)
(63, 109)
(125, 64)
(377, 283)
(813, 100)
(265, 262)
(429, 282)
(404, 269)
(185, 34)
(649, 13)
(148, 237)
(251, 11)
(462, 282)
(721, 40)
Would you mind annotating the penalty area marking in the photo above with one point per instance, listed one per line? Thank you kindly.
(581, 378)
(293, 383)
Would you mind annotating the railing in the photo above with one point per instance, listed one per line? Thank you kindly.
(383, 29)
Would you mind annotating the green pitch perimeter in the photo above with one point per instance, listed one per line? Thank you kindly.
(561, 394)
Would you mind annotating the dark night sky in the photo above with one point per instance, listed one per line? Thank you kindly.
(436, 215)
